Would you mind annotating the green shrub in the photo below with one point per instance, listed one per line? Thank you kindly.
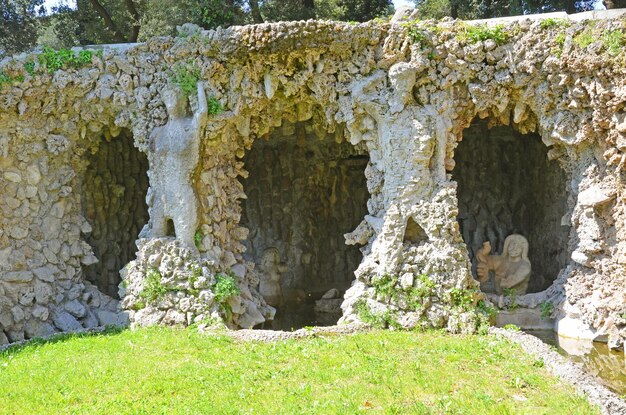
(29, 67)
(489, 311)
(462, 299)
(384, 286)
(415, 33)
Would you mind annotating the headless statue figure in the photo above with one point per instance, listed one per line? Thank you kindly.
(174, 156)
(271, 268)
(511, 269)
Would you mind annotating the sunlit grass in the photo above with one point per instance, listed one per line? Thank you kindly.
(164, 371)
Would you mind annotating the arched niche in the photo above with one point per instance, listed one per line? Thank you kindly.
(506, 185)
(114, 203)
(305, 190)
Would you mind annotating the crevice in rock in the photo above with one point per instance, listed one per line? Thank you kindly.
(114, 203)
(414, 233)
(506, 185)
(304, 192)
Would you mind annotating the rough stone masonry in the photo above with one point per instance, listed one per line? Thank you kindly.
(402, 93)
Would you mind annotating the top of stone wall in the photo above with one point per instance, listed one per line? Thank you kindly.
(241, 65)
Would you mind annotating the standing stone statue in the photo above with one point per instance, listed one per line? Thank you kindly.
(271, 269)
(174, 156)
(511, 269)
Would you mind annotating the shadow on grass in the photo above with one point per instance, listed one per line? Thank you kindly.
(18, 347)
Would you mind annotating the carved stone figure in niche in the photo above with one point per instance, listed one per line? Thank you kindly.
(512, 268)
(271, 269)
(174, 156)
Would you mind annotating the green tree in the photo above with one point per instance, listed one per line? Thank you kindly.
(485, 9)
(19, 24)
(364, 10)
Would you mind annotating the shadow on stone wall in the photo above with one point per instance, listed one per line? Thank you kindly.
(114, 204)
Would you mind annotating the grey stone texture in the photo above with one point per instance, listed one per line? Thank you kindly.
(405, 102)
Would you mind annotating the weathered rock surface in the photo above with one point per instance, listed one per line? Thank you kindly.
(404, 98)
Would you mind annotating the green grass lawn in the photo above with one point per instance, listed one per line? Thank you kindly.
(165, 371)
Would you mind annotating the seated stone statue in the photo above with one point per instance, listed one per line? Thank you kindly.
(512, 268)
(271, 269)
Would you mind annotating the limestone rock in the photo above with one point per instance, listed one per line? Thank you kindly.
(64, 321)
(110, 318)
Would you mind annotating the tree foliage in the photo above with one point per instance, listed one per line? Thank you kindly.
(24, 25)
(485, 9)
(19, 20)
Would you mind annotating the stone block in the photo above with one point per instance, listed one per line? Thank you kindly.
(64, 321)
(111, 318)
(75, 308)
(36, 328)
(45, 273)
(40, 312)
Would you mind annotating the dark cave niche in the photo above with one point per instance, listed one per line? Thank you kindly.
(506, 184)
(114, 203)
(303, 194)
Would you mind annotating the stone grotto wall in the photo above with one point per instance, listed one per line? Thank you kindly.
(507, 184)
(303, 194)
(113, 201)
(402, 94)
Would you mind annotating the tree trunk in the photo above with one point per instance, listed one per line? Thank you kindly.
(309, 5)
(108, 22)
(615, 4)
(256, 12)
(130, 6)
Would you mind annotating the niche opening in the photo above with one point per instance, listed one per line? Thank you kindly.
(114, 203)
(507, 185)
(303, 193)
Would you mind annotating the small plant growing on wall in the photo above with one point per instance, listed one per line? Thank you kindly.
(224, 288)
(546, 309)
(153, 289)
(6, 79)
(554, 23)
(614, 42)
(197, 238)
(511, 293)
(186, 76)
(214, 107)
(480, 33)
(375, 320)
(51, 60)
